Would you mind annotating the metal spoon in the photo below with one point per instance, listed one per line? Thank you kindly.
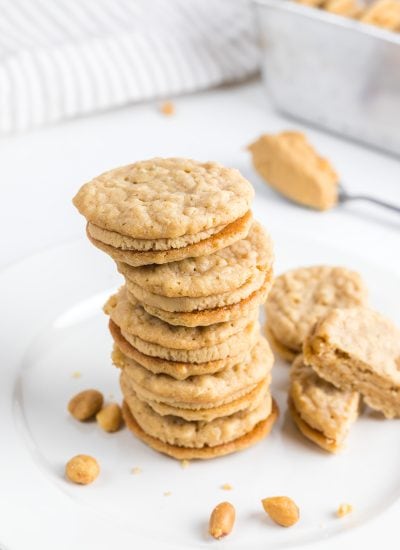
(344, 196)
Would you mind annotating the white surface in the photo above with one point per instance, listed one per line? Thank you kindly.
(122, 510)
(39, 174)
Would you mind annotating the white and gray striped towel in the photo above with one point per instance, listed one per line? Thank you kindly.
(64, 58)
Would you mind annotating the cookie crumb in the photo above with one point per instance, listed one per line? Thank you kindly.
(185, 464)
(344, 510)
(167, 108)
(76, 374)
(135, 471)
(167, 493)
(227, 487)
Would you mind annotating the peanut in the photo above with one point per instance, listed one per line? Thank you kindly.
(282, 510)
(221, 520)
(86, 404)
(82, 469)
(344, 510)
(110, 417)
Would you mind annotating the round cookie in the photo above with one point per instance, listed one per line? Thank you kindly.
(246, 401)
(203, 391)
(232, 346)
(195, 304)
(134, 320)
(197, 434)
(261, 430)
(128, 243)
(228, 235)
(226, 270)
(165, 198)
(176, 369)
(300, 297)
(216, 315)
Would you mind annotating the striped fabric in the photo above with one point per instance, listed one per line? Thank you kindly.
(64, 58)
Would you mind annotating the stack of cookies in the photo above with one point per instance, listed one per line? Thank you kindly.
(195, 371)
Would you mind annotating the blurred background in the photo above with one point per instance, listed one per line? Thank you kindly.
(87, 85)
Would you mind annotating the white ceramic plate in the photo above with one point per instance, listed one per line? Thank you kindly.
(52, 326)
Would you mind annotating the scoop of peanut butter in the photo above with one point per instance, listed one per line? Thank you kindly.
(289, 164)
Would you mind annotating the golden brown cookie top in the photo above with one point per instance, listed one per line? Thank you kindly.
(165, 198)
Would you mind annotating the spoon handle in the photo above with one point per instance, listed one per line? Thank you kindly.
(344, 197)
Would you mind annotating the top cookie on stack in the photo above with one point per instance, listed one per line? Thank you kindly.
(164, 210)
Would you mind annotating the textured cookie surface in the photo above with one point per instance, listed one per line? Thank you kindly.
(133, 319)
(185, 304)
(312, 434)
(164, 198)
(383, 13)
(247, 401)
(225, 270)
(228, 235)
(176, 431)
(261, 430)
(204, 317)
(321, 405)
(176, 369)
(358, 350)
(300, 297)
(230, 347)
(123, 242)
(205, 390)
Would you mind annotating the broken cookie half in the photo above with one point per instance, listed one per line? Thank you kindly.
(358, 349)
(321, 412)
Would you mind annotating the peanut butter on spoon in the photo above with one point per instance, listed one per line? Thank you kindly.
(289, 164)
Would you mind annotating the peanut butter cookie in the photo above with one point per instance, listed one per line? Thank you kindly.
(322, 412)
(358, 350)
(165, 198)
(300, 297)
